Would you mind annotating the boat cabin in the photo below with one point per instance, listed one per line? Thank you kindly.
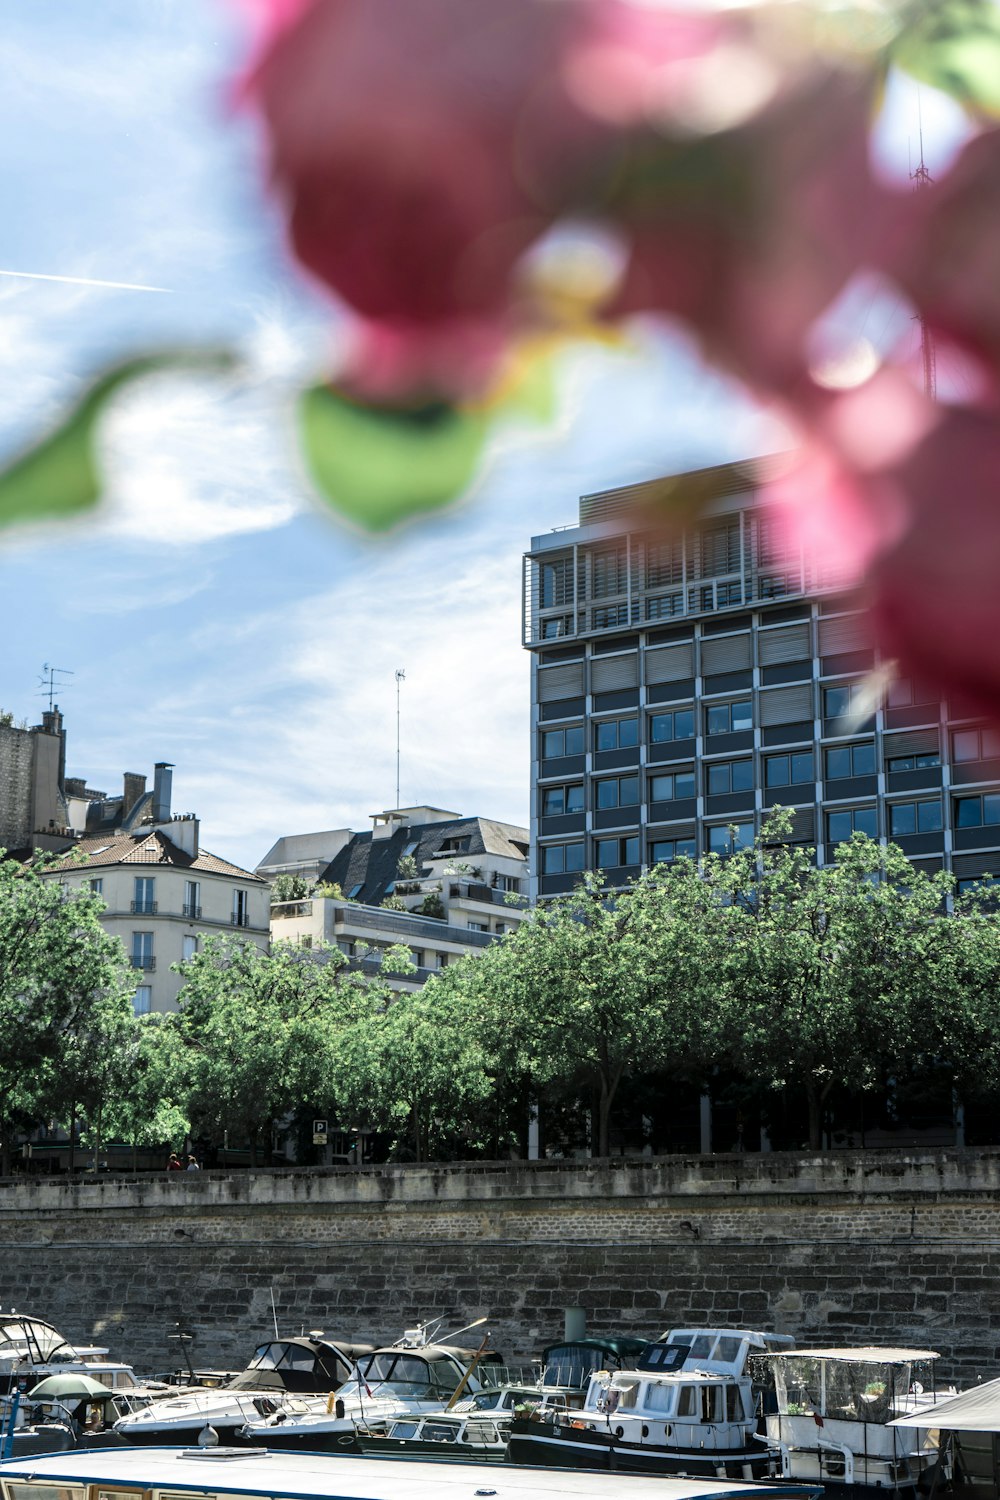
(430, 1372)
(25, 1344)
(834, 1407)
(310, 1363)
(573, 1363)
(691, 1398)
(724, 1350)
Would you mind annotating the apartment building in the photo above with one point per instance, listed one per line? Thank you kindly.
(453, 885)
(164, 894)
(681, 685)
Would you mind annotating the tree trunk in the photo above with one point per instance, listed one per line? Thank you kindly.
(815, 1119)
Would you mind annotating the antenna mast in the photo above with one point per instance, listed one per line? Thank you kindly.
(400, 677)
(47, 682)
(923, 179)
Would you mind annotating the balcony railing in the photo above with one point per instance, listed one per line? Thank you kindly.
(240, 919)
(144, 961)
(144, 908)
(192, 912)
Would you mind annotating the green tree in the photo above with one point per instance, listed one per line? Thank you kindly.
(413, 1068)
(258, 1030)
(590, 989)
(146, 1107)
(59, 973)
(823, 972)
(289, 887)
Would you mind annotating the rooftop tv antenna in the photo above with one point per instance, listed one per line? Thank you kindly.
(922, 178)
(47, 682)
(400, 678)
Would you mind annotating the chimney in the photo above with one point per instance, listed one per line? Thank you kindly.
(135, 787)
(52, 723)
(162, 781)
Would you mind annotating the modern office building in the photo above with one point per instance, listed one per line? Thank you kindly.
(683, 684)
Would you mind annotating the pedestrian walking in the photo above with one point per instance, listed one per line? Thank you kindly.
(194, 1165)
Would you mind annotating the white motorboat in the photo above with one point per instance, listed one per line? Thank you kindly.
(279, 1369)
(31, 1351)
(835, 1419)
(686, 1406)
(253, 1474)
(412, 1377)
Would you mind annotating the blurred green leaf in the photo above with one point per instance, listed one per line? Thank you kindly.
(378, 466)
(954, 45)
(60, 475)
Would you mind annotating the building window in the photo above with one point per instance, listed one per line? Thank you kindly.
(189, 947)
(613, 854)
(662, 851)
(557, 742)
(305, 940)
(975, 744)
(417, 957)
(905, 693)
(479, 926)
(726, 838)
(616, 734)
(556, 583)
(241, 914)
(724, 776)
(976, 883)
(500, 928)
(914, 817)
(96, 887)
(562, 859)
(671, 786)
(562, 799)
(727, 718)
(144, 891)
(847, 820)
(609, 572)
(664, 563)
(842, 700)
(618, 791)
(192, 900)
(913, 762)
(974, 812)
(850, 760)
(142, 1000)
(789, 770)
(678, 725)
(507, 883)
(142, 951)
(355, 891)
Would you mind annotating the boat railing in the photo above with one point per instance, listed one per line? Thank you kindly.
(490, 1377)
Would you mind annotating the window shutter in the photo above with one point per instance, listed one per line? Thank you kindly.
(787, 705)
(560, 682)
(971, 866)
(915, 742)
(670, 663)
(790, 643)
(844, 633)
(612, 673)
(803, 829)
(728, 653)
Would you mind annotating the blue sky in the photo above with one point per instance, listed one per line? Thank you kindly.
(212, 613)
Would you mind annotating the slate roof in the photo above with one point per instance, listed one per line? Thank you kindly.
(150, 848)
(371, 863)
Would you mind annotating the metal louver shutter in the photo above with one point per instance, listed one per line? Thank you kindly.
(789, 705)
(560, 682)
(612, 673)
(670, 663)
(972, 866)
(914, 742)
(730, 653)
(846, 633)
(791, 643)
(803, 829)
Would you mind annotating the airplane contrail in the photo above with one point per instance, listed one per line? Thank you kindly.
(122, 286)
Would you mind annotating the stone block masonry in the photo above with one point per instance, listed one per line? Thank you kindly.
(852, 1247)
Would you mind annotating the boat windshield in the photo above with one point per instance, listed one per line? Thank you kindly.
(411, 1375)
(841, 1389)
(32, 1339)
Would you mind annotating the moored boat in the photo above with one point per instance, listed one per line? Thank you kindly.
(166, 1473)
(686, 1406)
(835, 1419)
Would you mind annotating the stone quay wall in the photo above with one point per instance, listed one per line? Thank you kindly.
(845, 1248)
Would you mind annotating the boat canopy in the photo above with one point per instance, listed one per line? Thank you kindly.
(977, 1410)
(31, 1339)
(303, 1364)
(572, 1363)
(848, 1385)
